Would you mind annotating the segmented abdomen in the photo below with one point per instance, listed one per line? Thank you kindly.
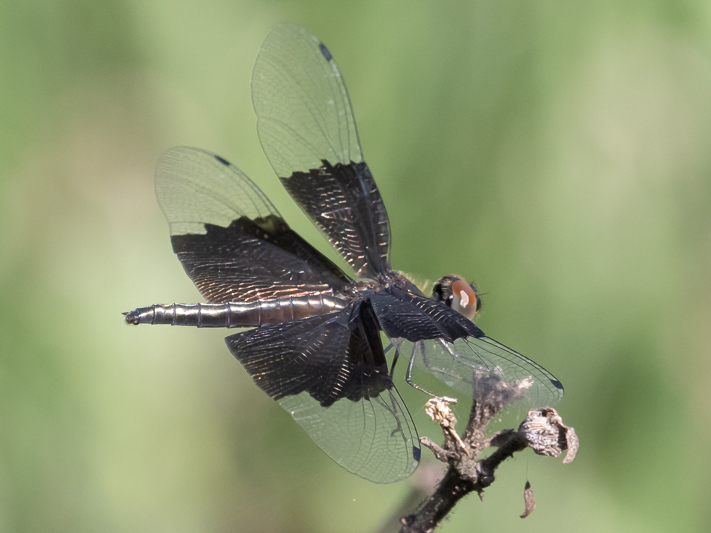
(236, 314)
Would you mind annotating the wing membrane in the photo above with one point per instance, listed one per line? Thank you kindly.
(324, 375)
(307, 129)
(231, 240)
(302, 104)
(463, 363)
(373, 438)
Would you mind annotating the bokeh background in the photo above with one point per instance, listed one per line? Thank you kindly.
(555, 152)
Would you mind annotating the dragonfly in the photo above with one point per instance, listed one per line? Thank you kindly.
(317, 337)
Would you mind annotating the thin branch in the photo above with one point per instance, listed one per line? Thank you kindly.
(542, 430)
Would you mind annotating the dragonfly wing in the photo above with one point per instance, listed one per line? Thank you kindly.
(449, 346)
(308, 132)
(230, 238)
(415, 317)
(464, 363)
(325, 374)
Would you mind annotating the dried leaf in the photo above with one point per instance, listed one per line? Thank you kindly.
(528, 500)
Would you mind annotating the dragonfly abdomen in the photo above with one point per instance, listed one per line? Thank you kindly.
(236, 314)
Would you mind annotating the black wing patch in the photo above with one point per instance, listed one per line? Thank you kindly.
(308, 132)
(344, 202)
(415, 318)
(327, 373)
(231, 240)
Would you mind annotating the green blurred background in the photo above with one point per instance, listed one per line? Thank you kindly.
(555, 152)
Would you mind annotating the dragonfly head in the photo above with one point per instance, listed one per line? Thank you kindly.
(456, 293)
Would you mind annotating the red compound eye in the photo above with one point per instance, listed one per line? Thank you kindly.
(464, 298)
(462, 290)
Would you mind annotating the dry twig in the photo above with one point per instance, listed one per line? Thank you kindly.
(542, 430)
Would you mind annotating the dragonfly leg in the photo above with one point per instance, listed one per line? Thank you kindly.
(408, 375)
(423, 353)
(395, 357)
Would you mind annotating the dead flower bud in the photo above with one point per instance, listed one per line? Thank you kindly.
(546, 434)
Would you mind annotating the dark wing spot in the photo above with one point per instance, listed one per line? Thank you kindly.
(325, 52)
(416, 452)
(557, 384)
(223, 161)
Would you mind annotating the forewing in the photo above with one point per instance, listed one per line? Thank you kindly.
(308, 132)
(231, 240)
(319, 370)
(415, 317)
(468, 362)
